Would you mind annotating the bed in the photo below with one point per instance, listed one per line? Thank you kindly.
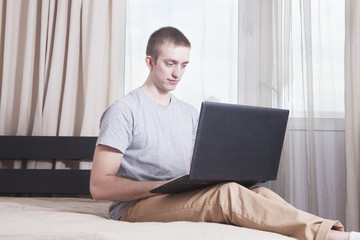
(56, 203)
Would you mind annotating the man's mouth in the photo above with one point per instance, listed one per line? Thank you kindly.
(173, 81)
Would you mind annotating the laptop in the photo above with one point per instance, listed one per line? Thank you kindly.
(234, 143)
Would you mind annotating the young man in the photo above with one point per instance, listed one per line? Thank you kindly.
(146, 139)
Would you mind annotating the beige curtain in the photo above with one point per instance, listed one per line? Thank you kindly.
(62, 65)
(352, 106)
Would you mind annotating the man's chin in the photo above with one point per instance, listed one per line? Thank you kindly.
(171, 87)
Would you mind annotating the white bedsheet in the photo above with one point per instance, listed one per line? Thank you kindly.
(85, 219)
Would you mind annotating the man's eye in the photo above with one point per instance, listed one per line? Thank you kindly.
(170, 64)
(184, 65)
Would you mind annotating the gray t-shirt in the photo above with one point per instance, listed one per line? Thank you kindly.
(156, 140)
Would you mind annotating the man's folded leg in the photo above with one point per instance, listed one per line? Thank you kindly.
(232, 203)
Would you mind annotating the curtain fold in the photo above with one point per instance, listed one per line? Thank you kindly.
(352, 119)
(281, 82)
(308, 113)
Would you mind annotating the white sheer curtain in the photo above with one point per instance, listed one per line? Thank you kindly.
(62, 65)
(308, 79)
(295, 65)
(255, 52)
(352, 90)
(298, 172)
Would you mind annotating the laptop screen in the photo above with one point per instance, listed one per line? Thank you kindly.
(236, 142)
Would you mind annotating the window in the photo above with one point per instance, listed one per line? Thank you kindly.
(328, 39)
(211, 27)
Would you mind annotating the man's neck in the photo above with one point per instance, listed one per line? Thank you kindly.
(157, 95)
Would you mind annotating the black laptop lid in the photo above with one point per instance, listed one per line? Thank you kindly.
(236, 142)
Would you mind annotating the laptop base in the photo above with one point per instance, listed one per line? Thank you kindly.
(184, 184)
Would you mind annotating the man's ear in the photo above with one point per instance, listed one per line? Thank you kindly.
(149, 62)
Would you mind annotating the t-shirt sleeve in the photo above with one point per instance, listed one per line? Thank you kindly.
(116, 127)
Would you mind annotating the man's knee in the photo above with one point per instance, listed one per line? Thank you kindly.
(229, 186)
(229, 189)
(260, 190)
(268, 193)
(233, 189)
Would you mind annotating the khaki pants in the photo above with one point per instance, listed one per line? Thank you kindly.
(259, 208)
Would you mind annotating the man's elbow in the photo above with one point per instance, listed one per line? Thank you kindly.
(96, 191)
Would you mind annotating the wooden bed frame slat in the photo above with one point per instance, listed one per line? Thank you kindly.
(41, 181)
(45, 147)
(45, 181)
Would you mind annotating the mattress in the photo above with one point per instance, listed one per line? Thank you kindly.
(81, 218)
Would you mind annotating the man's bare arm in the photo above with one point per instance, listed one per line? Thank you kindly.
(105, 185)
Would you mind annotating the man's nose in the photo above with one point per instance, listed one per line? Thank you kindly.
(176, 72)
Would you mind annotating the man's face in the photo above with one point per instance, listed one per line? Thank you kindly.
(170, 66)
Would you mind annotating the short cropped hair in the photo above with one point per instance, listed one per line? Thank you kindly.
(165, 34)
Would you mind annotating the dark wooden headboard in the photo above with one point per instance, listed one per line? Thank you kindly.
(45, 181)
